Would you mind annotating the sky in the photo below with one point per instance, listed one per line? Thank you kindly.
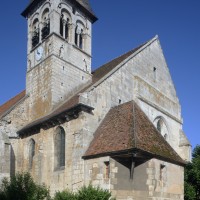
(122, 25)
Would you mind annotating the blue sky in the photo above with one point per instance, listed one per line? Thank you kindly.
(122, 25)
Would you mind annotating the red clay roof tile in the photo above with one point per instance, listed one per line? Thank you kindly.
(126, 127)
(12, 102)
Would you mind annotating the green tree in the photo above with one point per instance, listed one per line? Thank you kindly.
(22, 187)
(192, 176)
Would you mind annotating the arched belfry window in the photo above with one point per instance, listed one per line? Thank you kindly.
(35, 33)
(161, 126)
(76, 36)
(64, 27)
(45, 24)
(59, 147)
(64, 24)
(79, 32)
(31, 152)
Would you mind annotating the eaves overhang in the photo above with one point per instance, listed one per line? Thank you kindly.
(32, 4)
(52, 120)
(136, 154)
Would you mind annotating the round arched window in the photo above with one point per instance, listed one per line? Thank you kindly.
(161, 126)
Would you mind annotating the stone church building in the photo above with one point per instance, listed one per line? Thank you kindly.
(118, 127)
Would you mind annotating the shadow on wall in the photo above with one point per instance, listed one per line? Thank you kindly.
(131, 174)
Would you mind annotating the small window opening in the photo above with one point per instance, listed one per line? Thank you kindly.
(155, 73)
(162, 167)
(107, 169)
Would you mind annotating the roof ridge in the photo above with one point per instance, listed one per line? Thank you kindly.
(11, 102)
(103, 70)
(128, 51)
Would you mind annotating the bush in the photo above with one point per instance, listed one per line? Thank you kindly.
(22, 187)
(85, 193)
(92, 193)
(65, 195)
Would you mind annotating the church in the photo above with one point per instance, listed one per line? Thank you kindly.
(118, 127)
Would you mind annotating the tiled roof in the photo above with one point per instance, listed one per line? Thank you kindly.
(12, 102)
(126, 128)
(106, 68)
(66, 106)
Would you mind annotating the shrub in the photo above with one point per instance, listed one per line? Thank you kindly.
(93, 193)
(65, 195)
(22, 187)
(85, 193)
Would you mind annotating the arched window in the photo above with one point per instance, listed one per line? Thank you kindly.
(81, 39)
(64, 23)
(64, 27)
(161, 126)
(59, 147)
(45, 23)
(76, 36)
(61, 25)
(31, 152)
(79, 32)
(35, 33)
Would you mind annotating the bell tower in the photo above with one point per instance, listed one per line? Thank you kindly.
(58, 51)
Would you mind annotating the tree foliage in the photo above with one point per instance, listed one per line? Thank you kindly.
(85, 193)
(22, 187)
(192, 176)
